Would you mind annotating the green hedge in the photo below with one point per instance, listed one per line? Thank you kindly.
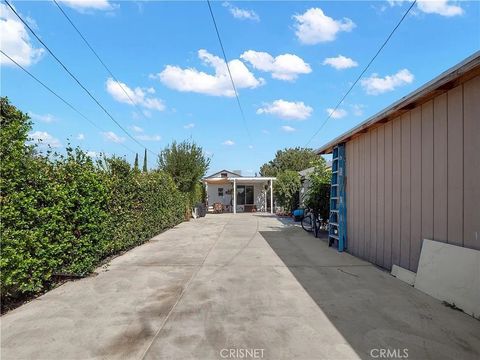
(64, 214)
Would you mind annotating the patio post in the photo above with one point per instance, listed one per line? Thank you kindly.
(234, 196)
(266, 199)
(206, 194)
(271, 196)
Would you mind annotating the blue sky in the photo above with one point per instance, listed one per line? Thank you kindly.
(291, 62)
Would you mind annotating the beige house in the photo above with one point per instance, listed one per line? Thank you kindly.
(413, 171)
(229, 191)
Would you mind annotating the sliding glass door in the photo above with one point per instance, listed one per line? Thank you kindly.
(245, 195)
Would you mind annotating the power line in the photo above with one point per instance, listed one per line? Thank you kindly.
(361, 74)
(98, 57)
(229, 72)
(58, 96)
(76, 80)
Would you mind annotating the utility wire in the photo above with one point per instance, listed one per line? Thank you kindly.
(98, 57)
(77, 81)
(361, 74)
(229, 72)
(58, 96)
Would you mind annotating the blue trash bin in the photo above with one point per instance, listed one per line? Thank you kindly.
(298, 214)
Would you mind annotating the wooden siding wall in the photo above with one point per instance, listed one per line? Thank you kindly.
(416, 177)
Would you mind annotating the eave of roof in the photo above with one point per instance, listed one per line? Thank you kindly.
(237, 179)
(224, 170)
(460, 73)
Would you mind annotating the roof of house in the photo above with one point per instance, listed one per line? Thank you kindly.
(214, 179)
(223, 171)
(306, 172)
(460, 73)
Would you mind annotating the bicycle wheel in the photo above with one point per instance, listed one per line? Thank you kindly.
(307, 223)
(316, 228)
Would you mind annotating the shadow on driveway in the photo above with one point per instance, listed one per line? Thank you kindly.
(370, 308)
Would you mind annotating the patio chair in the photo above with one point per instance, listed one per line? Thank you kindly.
(217, 208)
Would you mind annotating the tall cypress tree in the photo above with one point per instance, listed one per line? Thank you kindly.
(135, 164)
(145, 168)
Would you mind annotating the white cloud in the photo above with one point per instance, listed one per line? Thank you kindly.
(124, 94)
(250, 146)
(358, 109)
(340, 62)
(15, 40)
(440, 7)
(148, 137)
(228, 142)
(282, 67)
(81, 136)
(189, 126)
(111, 136)
(337, 114)
(84, 5)
(219, 84)
(375, 85)
(46, 118)
(290, 110)
(446, 8)
(313, 26)
(93, 154)
(287, 128)
(136, 128)
(44, 139)
(242, 14)
(31, 22)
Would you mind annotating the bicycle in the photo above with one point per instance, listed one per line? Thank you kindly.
(311, 222)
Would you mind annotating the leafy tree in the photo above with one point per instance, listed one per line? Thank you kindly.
(135, 164)
(145, 167)
(295, 159)
(286, 188)
(186, 164)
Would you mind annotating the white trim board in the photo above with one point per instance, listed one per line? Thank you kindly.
(450, 273)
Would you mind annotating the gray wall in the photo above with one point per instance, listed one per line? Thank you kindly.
(416, 177)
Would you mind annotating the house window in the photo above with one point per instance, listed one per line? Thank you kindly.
(220, 192)
(244, 195)
(224, 175)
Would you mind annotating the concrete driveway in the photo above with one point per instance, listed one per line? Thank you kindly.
(237, 286)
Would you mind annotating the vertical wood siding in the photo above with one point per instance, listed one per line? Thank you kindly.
(416, 177)
(471, 163)
(416, 186)
(366, 189)
(387, 240)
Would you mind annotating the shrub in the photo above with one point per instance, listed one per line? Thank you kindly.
(318, 193)
(64, 214)
(286, 188)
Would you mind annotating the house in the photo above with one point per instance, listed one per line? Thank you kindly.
(232, 192)
(411, 172)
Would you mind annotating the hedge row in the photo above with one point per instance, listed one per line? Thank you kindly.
(61, 215)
